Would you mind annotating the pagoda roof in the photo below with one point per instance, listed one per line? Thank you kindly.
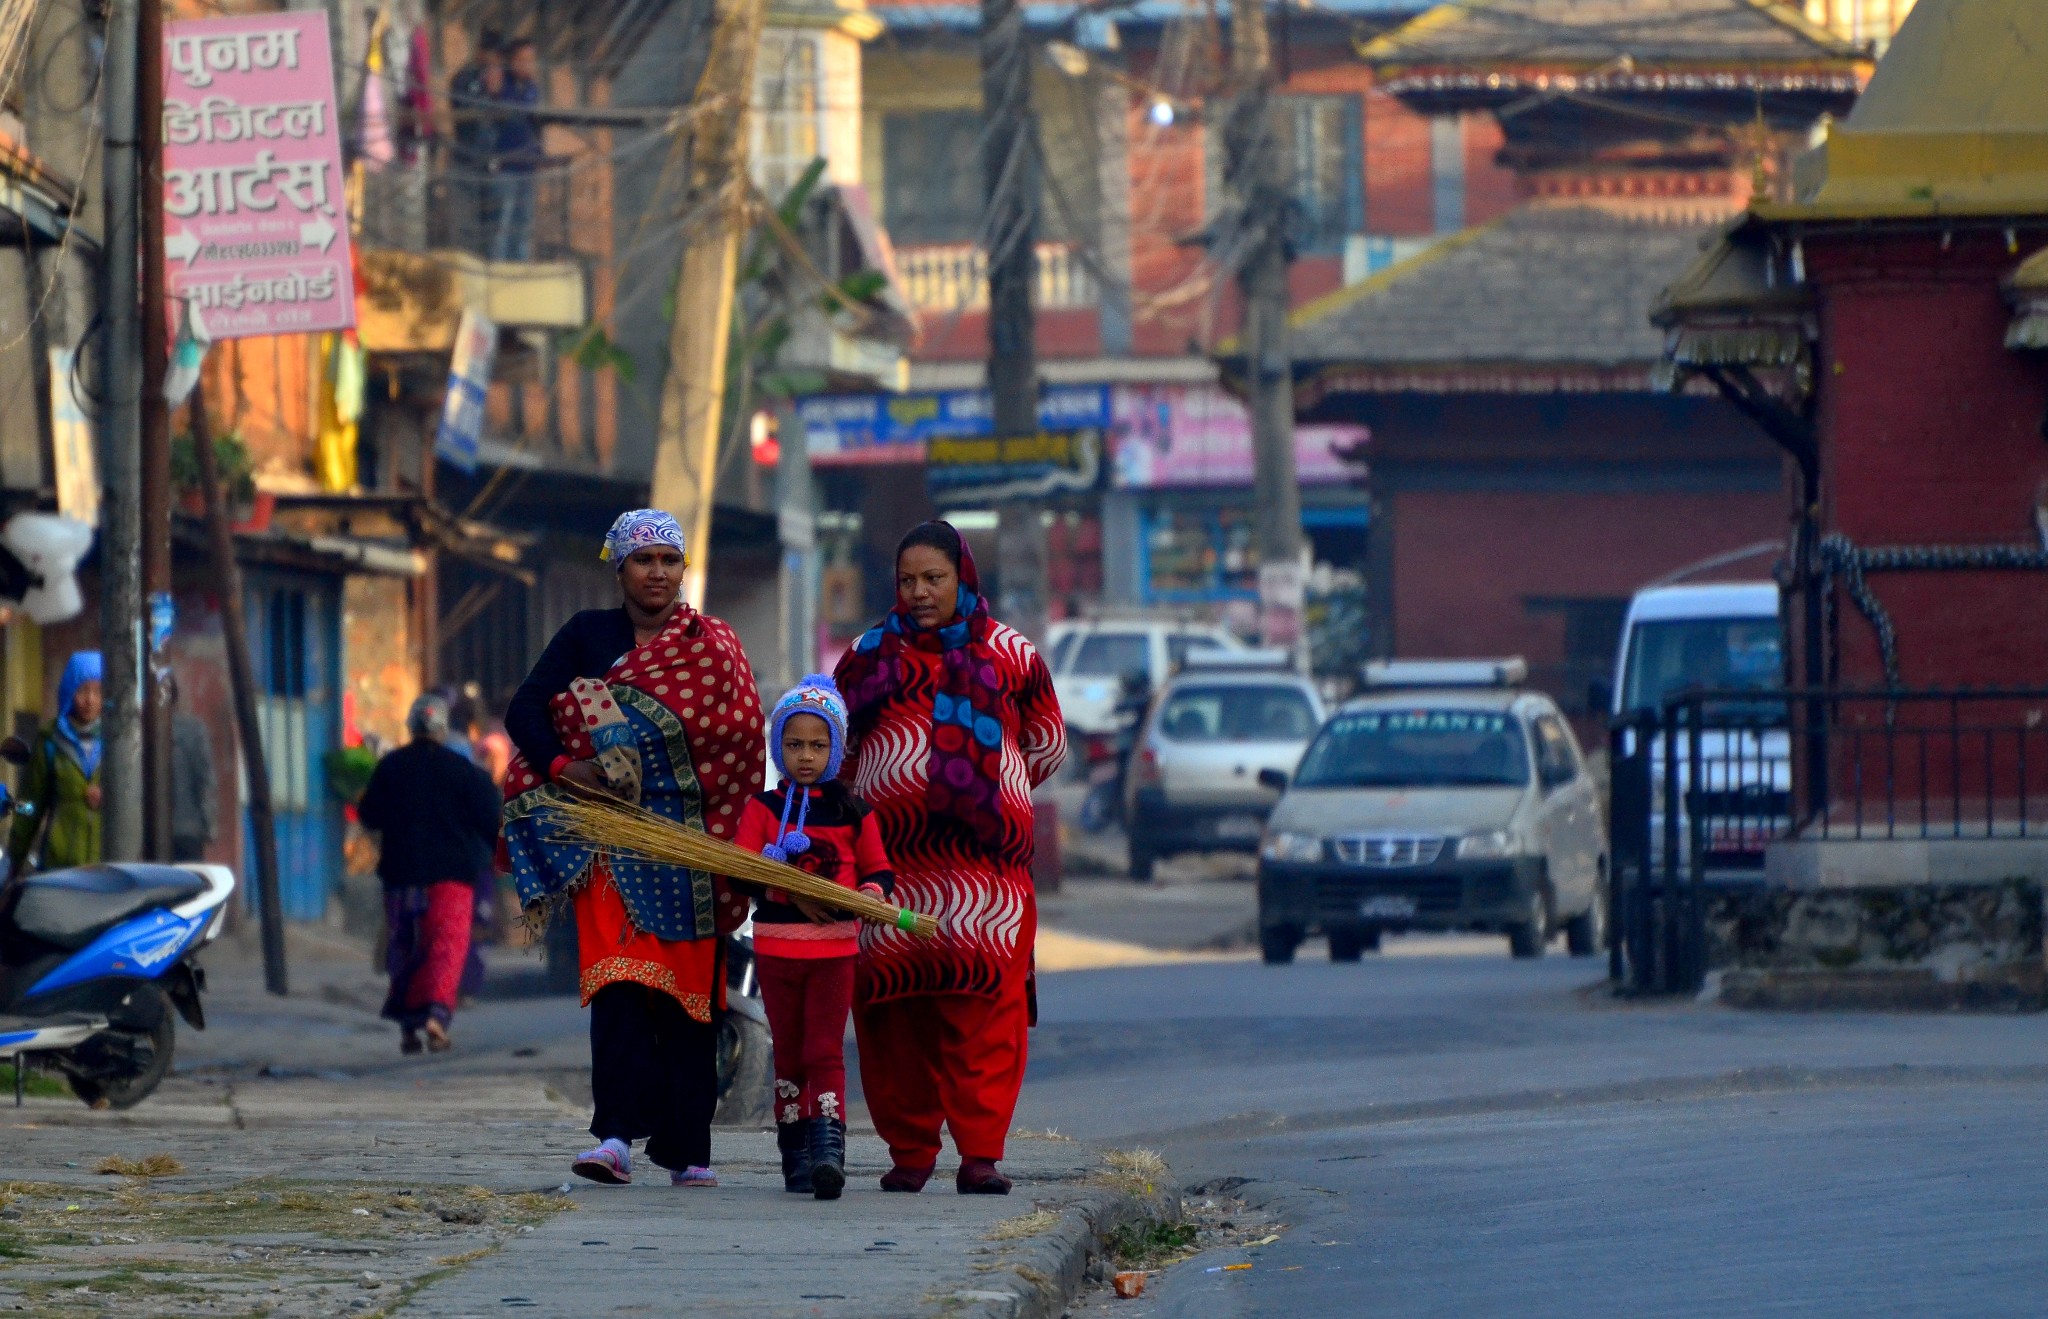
(1552, 296)
(1954, 122)
(1586, 34)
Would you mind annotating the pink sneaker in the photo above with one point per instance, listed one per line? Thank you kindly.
(693, 1176)
(610, 1164)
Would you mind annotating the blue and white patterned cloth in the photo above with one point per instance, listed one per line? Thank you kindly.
(639, 529)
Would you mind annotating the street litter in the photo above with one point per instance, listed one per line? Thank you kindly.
(1264, 1241)
(1227, 1268)
(1129, 1283)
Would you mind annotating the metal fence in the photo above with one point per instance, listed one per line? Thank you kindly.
(1701, 789)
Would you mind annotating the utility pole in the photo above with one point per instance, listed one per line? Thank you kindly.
(1010, 231)
(797, 527)
(1256, 185)
(693, 394)
(156, 430)
(227, 578)
(121, 639)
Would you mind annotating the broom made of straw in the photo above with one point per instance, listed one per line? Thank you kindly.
(621, 827)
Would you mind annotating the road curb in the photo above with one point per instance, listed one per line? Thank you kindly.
(1040, 1276)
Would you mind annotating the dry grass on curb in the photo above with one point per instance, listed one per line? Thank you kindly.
(1140, 1172)
(149, 1165)
(1024, 1225)
(1050, 1133)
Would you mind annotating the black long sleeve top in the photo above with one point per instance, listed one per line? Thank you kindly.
(586, 647)
(438, 814)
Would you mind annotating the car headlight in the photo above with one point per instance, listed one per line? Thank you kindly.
(1494, 845)
(1281, 845)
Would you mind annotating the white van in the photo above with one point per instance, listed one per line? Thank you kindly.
(1722, 637)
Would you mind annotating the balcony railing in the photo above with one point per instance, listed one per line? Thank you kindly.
(945, 277)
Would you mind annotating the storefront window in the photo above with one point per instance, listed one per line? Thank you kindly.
(1199, 555)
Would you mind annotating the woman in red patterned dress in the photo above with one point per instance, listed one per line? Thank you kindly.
(953, 723)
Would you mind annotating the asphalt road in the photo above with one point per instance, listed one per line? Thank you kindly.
(1469, 1135)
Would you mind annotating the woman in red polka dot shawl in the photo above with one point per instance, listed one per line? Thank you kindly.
(653, 702)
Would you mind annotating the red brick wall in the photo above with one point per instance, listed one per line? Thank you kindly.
(1489, 189)
(1397, 169)
(1932, 434)
(1465, 561)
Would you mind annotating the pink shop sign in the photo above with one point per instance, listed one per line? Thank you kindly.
(1198, 435)
(255, 230)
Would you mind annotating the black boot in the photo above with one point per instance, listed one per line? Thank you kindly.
(828, 1157)
(793, 1139)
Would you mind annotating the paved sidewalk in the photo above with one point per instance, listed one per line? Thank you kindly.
(319, 1173)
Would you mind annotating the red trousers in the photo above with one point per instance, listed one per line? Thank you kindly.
(807, 999)
(952, 1060)
(429, 941)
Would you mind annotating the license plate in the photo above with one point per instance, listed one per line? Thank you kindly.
(1388, 908)
(1238, 826)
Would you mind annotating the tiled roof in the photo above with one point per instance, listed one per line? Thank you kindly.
(1546, 285)
(1596, 31)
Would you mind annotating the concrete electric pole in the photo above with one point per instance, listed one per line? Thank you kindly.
(693, 394)
(1010, 234)
(1256, 184)
(156, 432)
(120, 431)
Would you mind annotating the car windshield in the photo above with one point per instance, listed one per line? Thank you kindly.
(1673, 655)
(1417, 749)
(1112, 655)
(1237, 712)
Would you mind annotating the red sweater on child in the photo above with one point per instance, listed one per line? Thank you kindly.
(846, 848)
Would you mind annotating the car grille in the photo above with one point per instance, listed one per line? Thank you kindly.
(1387, 851)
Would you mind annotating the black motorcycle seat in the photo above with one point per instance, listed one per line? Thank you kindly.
(69, 908)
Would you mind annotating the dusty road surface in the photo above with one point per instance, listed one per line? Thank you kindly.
(1437, 1130)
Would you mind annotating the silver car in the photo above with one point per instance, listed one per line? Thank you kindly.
(1195, 778)
(1436, 809)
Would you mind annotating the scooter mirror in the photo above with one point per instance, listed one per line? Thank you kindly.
(14, 751)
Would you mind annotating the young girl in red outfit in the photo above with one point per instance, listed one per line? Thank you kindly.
(804, 952)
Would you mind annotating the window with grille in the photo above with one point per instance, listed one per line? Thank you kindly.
(1321, 142)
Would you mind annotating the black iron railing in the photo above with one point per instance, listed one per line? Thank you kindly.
(1702, 788)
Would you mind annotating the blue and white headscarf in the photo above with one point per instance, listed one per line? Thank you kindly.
(639, 529)
(82, 744)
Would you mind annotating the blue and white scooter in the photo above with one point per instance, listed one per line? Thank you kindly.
(93, 960)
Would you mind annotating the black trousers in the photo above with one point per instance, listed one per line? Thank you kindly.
(653, 1074)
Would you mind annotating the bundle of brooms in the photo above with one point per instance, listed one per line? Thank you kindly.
(625, 829)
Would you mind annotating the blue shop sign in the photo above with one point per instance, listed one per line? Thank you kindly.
(896, 427)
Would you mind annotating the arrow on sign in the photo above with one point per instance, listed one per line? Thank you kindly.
(316, 233)
(181, 246)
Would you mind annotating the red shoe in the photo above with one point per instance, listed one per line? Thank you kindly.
(907, 1180)
(979, 1177)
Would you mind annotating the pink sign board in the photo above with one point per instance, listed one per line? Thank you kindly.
(255, 232)
(1198, 435)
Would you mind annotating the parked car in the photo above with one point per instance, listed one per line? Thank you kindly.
(1194, 783)
(1445, 798)
(1090, 659)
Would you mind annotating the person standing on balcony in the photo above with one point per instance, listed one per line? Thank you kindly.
(473, 94)
(519, 153)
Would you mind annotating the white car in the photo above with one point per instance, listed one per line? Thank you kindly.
(1445, 798)
(1091, 658)
(1195, 778)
